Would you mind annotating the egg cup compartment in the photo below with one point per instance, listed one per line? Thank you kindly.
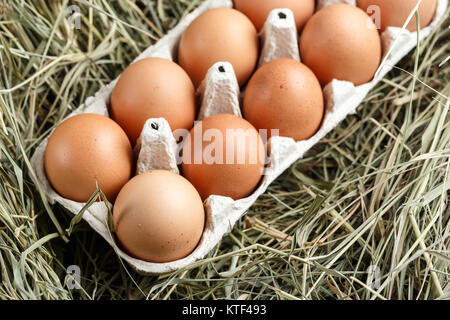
(219, 93)
(279, 37)
(156, 148)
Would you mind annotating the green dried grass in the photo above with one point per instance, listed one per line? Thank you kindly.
(374, 192)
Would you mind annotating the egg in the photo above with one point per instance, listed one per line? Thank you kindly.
(395, 13)
(158, 217)
(341, 42)
(284, 94)
(219, 35)
(223, 155)
(153, 88)
(86, 150)
(258, 10)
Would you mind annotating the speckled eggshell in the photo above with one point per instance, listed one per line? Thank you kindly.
(235, 172)
(258, 10)
(395, 13)
(221, 34)
(84, 150)
(158, 217)
(284, 94)
(153, 88)
(341, 42)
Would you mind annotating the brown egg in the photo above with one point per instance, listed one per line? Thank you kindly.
(395, 13)
(285, 95)
(219, 35)
(223, 155)
(153, 88)
(258, 10)
(341, 42)
(158, 217)
(84, 150)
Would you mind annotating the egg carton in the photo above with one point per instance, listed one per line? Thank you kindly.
(220, 93)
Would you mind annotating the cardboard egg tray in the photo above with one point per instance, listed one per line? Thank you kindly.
(220, 93)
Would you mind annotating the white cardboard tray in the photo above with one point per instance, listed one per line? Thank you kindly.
(220, 93)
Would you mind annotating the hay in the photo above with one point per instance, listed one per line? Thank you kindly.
(370, 198)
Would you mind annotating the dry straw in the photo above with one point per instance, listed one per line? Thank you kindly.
(364, 215)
